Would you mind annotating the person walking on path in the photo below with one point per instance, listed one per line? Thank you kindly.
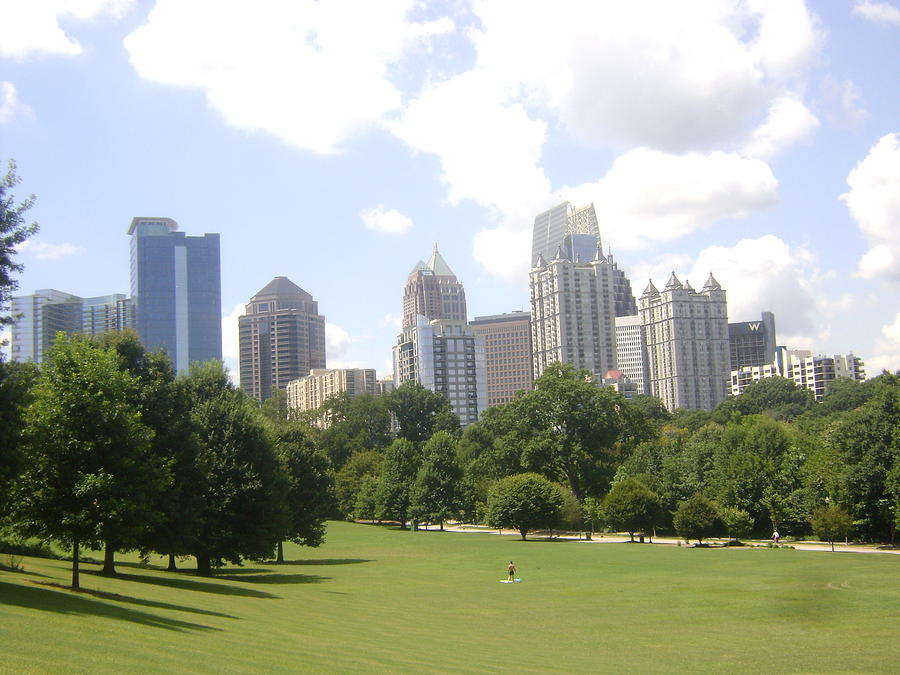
(511, 571)
(776, 537)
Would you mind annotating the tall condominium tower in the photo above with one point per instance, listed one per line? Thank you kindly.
(687, 343)
(448, 358)
(46, 312)
(577, 232)
(752, 343)
(631, 352)
(572, 313)
(433, 291)
(507, 354)
(176, 289)
(281, 338)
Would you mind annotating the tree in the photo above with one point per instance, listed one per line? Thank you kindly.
(16, 383)
(830, 523)
(241, 489)
(737, 522)
(309, 497)
(398, 472)
(418, 410)
(348, 481)
(631, 506)
(777, 397)
(697, 518)
(13, 232)
(524, 502)
(355, 424)
(89, 473)
(434, 494)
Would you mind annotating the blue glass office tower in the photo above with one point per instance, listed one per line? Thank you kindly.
(176, 289)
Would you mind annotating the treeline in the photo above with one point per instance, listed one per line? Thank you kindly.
(104, 447)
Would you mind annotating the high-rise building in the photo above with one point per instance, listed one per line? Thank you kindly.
(507, 354)
(281, 338)
(433, 291)
(572, 313)
(176, 289)
(752, 343)
(815, 373)
(448, 358)
(631, 352)
(311, 391)
(687, 343)
(46, 312)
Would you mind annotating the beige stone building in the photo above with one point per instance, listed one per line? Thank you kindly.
(311, 391)
(507, 354)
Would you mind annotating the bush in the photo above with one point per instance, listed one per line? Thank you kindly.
(697, 518)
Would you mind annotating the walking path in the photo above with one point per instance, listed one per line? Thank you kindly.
(618, 538)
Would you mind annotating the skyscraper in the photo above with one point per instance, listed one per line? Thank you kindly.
(281, 338)
(752, 343)
(631, 352)
(433, 291)
(687, 343)
(46, 312)
(176, 289)
(507, 354)
(573, 313)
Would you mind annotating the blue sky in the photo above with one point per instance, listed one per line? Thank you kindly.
(335, 142)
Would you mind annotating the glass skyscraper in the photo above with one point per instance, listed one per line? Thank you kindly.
(176, 289)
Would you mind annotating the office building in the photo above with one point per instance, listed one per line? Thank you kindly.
(433, 291)
(687, 343)
(815, 373)
(311, 391)
(631, 352)
(448, 358)
(572, 313)
(176, 290)
(752, 343)
(281, 338)
(507, 354)
(46, 312)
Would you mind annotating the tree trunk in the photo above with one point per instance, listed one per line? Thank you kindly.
(523, 533)
(279, 554)
(109, 560)
(75, 581)
(832, 545)
(171, 567)
(442, 524)
(204, 568)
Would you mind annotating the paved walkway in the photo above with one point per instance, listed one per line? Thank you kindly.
(669, 541)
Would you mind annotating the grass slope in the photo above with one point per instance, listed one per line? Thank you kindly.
(375, 599)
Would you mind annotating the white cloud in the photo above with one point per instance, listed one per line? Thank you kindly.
(392, 221)
(892, 330)
(230, 343)
(886, 350)
(41, 250)
(313, 74)
(337, 342)
(10, 106)
(33, 27)
(788, 122)
(845, 107)
(882, 12)
(392, 320)
(874, 203)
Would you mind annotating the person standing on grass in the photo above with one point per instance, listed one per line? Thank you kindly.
(776, 537)
(511, 571)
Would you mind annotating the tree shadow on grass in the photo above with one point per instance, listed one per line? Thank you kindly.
(105, 595)
(191, 584)
(319, 561)
(48, 600)
(276, 578)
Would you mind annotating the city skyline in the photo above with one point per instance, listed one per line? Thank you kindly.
(772, 163)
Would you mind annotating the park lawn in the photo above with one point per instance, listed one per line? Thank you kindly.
(380, 599)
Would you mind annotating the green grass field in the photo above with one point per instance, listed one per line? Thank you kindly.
(378, 599)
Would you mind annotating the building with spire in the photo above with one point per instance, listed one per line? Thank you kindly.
(433, 291)
(687, 343)
(573, 310)
(176, 291)
(436, 347)
(281, 338)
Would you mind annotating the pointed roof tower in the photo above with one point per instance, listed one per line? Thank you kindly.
(711, 284)
(438, 265)
(280, 287)
(650, 290)
(673, 283)
(598, 256)
(540, 261)
(688, 287)
(559, 253)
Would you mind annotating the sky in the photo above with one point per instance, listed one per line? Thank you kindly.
(335, 142)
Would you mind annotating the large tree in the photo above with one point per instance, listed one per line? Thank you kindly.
(631, 506)
(398, 472)
(349, 480)
(697, 518)
(309, 495)
(13, 231)
(434, 495)
(242, 487)
(16, 382)
(89, 472)
(420, 412)
(355, 424)
(524, 502)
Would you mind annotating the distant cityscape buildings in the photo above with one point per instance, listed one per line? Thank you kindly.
(752, 343)
(281, 337)
(311, 391)
(507, 354)
(433, 291)
(814, 373)
(631, 352)
(176, 290)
